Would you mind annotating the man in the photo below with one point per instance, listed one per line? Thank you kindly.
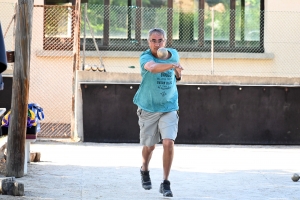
(157, 101)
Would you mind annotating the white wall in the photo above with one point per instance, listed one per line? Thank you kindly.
(282, 5)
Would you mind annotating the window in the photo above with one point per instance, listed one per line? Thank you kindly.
(58, 25)
(120, 25)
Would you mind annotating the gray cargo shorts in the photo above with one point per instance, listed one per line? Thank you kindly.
(157, 126)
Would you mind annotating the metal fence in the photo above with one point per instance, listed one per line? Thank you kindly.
(51, 70)
(261, 45)
(50, 64)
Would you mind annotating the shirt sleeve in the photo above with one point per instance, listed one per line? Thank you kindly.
(144, 58)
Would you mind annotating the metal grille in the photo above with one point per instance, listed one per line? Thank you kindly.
(51, 67)
(242, 44)
(261, 44)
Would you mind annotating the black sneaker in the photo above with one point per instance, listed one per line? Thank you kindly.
(146, 181)
(165, 189)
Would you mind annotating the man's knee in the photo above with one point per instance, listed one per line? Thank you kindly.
(149, 149)
(168, 144)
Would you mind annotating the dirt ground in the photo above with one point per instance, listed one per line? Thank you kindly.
(2, 166)
(76, 170)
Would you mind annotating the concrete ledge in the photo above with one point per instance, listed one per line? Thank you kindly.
(108, 77)
(8, 73)
(239, 81)
(89, 77)
(259, 56)
(136, 54)
(44, 53)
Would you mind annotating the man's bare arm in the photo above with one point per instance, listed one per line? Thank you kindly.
(154, 67)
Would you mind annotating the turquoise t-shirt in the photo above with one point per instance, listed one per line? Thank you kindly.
(157, 91)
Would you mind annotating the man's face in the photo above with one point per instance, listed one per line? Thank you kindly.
(156, 41)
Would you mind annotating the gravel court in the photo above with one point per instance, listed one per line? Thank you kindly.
(76, 170)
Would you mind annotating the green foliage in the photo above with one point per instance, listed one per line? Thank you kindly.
(101, 2)
(119, 2)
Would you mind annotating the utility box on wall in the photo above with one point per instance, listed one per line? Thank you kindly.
(208, 114)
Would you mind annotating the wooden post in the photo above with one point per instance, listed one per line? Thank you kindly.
(20, 93)
(76, 61)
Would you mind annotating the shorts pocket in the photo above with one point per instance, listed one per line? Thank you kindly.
(139, 112)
